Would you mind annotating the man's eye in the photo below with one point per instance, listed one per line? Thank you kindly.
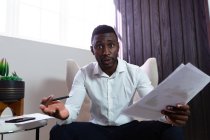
(99, 46)
(111, 45)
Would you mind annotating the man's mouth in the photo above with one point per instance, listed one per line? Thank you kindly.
(106, 61)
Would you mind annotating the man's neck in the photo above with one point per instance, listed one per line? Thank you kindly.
(111, 70)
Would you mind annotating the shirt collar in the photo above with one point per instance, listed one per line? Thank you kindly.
(120, 68)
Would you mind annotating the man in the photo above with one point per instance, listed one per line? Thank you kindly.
(111, 83)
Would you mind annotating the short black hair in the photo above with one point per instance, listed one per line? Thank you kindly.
(101, 29)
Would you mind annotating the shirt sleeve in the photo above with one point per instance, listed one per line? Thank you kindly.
(144, 85)
(74, 103)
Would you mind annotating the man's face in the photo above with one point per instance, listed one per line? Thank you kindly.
(105, 47)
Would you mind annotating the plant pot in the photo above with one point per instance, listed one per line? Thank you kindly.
(11, 90)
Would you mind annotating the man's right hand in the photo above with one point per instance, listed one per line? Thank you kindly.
(56, 109)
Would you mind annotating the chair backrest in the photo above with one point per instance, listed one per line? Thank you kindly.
(150, 67)
(71, 69)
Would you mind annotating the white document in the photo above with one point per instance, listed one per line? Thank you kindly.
(38, 117)
(179, 87)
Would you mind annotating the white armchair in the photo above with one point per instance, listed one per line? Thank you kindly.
(71, 69)
(150, 67)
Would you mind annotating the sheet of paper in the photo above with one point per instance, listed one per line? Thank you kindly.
(179, 87)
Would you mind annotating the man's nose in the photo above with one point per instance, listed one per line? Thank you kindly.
(106, 50)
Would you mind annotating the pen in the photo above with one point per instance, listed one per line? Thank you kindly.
(55, 99)
(60, 98)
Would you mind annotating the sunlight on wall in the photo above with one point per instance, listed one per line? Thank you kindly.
(209, 6)
(3, 7)
(63, 22)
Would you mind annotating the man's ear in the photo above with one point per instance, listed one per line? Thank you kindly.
(91, 48)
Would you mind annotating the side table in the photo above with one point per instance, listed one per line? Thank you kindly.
(7, 128)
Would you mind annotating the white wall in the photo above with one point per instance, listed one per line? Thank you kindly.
(43, 68)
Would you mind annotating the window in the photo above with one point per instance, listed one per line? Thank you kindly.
(3, 13)
(64, 22)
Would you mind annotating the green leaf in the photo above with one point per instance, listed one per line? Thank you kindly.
(4, 72)
(1, 67)
(6, 68)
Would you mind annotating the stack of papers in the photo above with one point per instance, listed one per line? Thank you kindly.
(179, 87)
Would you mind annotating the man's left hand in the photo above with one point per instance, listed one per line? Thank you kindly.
(177, 115)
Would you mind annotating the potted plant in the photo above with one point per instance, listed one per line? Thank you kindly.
(12, 87)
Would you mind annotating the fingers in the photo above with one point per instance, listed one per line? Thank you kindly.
(51, 110)
(183, 107)
(177, 115)
(48, 106)
(178, 110)
(54, 108)
(176, 121)
(46, 100)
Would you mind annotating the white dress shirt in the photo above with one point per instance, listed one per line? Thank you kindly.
(109, 94)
